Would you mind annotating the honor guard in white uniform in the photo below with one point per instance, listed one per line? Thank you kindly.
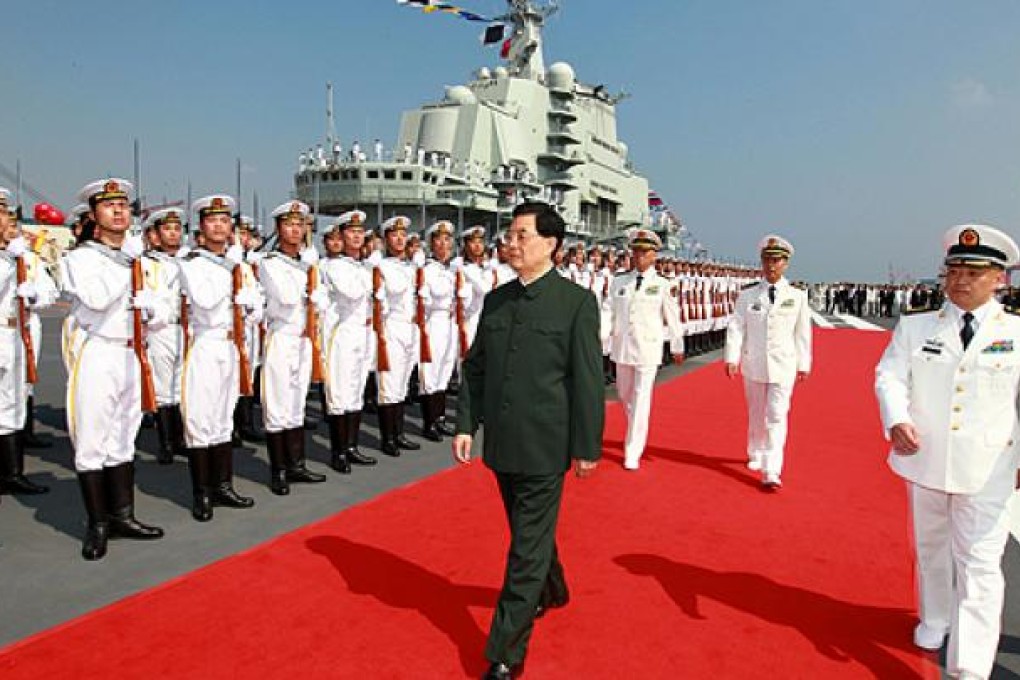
(439, 296)
(643, 314)
(104, 390)
(245, 427)
(211, 378)
(477, 273)
(947, 388)
(396, 333)
(16, 300)
(504, 272)
(601, 284)
(290, 278)
(769, 341)
(348, 338)
(166, 346)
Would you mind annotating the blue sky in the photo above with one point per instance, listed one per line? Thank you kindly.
(860, 130)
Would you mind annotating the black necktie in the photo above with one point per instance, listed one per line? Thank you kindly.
(638, 286)
(772, 295)
(967, 332)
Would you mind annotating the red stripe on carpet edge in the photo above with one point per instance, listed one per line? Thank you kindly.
(696, 584)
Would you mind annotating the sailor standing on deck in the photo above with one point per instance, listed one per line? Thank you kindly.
(477, 273)
(947, 387)
(347, 348)
(14, 416)
(643, 313)
(210, 380)
(769, 340)
(166, 345)
(399, 334)
(104, 388)
(287, 370)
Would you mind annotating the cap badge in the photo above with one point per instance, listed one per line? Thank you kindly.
(111, 187)
(969, 238)
(217, 203)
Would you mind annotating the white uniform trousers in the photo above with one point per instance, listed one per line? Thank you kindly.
(634, 384)
(104, 404)
(402, 350)
(166, 354)
(965, 534)
(347, 364)
(435, 375)
(286, 374)
(12, 381)
(71, 339)
(209, 389)
(768, 405)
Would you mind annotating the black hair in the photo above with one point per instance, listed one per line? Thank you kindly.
(548, 222)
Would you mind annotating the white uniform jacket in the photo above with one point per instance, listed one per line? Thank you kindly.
(963, 404)
(643, 319)
(770, 342)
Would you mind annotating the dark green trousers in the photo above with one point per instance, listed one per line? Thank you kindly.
(532, 505)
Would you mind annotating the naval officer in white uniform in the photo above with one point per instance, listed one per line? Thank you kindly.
(643, 314)
(769, 340)
(947, 386)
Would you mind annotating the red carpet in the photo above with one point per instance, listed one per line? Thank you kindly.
(682, 570)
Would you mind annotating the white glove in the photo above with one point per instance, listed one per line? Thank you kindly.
(18, 246)
(457, 263)
(319, 298)
(234, 255)
(464, 293)
(374, 259)
(133, 247)
(310, 256)
(145, 301)
(491, 264)
(418, 260)
(27, 291)
(425, 293)
(247, 298)
(255, 258)
(380, 294)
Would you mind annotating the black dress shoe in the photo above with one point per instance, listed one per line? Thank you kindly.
(201, 507)
(406, 444)
(20, 484)
(445, 428)
(431, 433)
(356, 457)
(502, 671)
(227, 496)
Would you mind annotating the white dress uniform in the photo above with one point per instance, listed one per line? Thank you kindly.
(644, 315)
(348, 333)
(166, 346)
(963, 405)
(771, 342)
(481, 280)
(12, 351)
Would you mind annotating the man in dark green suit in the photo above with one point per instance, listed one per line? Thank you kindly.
(534, 375)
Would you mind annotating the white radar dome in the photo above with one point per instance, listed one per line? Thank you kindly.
(459, 94)
(561, 76)
(502, 73)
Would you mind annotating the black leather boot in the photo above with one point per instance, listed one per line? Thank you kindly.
(31, 441)
(120, 497)
(93, 546)
(442, 424)
(276, 445)
(402, 441)
(296, 470)
(223, 492)
(337, 443)
(165, 430)
(371, 396)
(429, 418)
(354, 456)
(177, 423)
(12, 467)
(246, 427)
(388, 430)
(201, 483)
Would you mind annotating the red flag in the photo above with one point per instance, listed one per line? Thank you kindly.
(504, 52)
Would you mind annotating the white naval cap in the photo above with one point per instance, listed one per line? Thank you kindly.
(978, 245)
(6, 198)
(440, 227)
(472, 232)
(79, 210)
(774, 244)
(214, 204)
(290, 208)
(395, 222)
(351, 218)
(106, 190)
(163, 216)
(248, 224)
(644, 239)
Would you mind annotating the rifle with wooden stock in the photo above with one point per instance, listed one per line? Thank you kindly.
(26, 331)
(312, 325)
(461, 317)
(425, 348)
(148, 385)
(382, 353)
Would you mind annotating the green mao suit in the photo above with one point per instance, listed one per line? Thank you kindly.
(534, 375)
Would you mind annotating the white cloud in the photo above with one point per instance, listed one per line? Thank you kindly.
(971, 94)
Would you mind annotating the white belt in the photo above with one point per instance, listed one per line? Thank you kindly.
(287, 329)
(128, 343)
(212, 333)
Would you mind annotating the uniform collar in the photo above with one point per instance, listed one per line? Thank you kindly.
(537, 285)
